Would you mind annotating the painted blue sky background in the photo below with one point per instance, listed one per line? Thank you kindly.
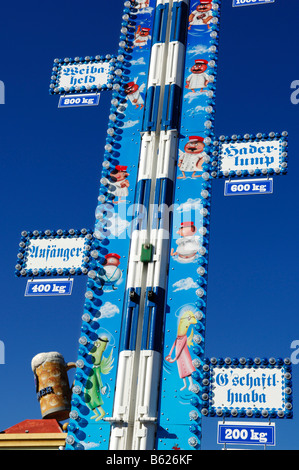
(50, 162)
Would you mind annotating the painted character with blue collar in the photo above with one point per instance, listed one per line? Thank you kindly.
(112, 273)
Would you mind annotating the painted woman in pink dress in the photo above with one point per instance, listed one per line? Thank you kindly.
(182, 354)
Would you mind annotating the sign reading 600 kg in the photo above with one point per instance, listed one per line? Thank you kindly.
(248, 187)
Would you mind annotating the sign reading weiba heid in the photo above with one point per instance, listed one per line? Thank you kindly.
(254, 388)
(59, 255)
(82, 75)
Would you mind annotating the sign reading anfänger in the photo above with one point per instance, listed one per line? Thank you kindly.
(55, 253)
(60, 254)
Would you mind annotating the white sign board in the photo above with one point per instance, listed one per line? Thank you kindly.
(248, 156)
(55, 253)
(74, 75)
(255, 388)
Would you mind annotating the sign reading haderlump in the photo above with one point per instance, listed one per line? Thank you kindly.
(253, 155)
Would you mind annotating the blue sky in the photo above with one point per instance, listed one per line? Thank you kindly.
(50, 170)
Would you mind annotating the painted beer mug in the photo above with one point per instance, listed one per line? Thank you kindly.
(52, 384)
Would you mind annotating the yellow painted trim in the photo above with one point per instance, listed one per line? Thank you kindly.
(32, 440)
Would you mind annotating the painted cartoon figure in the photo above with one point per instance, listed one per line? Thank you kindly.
(202, 15)
(133, 92)
(188, 244)
(198, 79)
(94, 386)
(120, 183)
(190, 159)
(142, 37)
(112, 274)
(181, 344)
(141, 4)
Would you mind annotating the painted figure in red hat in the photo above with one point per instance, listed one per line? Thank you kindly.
(202, 15)
(191, 159)
(198, 79)
(112, 274)
(140, 4)
(142, 36)
(188, 244)
(120, 183)
(133, 92)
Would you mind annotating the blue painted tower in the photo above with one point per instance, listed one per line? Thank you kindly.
(143, 326)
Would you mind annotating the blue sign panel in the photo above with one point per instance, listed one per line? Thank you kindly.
(244, 187)
(73, 101)
(46, 287)
(243, 3)
(246, 433)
